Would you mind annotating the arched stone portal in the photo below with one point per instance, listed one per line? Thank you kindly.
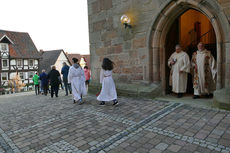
(162, 23)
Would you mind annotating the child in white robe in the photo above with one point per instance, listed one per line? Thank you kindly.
(108, 91)
(76, 77)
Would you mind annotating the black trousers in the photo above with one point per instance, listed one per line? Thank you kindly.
(54, 89)
(87, 82)
(45, 89)
(37, 89)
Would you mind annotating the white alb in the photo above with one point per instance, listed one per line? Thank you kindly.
(76, 77)
(108, 91)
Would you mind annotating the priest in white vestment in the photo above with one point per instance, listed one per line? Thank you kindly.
(180, 67)
(76, 77)
(204, 72)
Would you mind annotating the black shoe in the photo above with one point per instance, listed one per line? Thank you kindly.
(66, 94)
(102, 103)
(115, 102)
(196, 97)
(80, 101)
(74, 101)
(179, 95)
(210, 95)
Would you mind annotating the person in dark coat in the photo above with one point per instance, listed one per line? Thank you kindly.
(44, 81)
(65, 72)
(54, 78)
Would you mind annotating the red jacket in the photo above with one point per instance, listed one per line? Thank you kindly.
(87, 74)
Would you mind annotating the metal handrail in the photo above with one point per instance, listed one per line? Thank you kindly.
(210, 30)
(205, 33)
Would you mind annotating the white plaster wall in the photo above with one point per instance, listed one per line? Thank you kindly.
(13, 74)
(12, 62)
(62, 58)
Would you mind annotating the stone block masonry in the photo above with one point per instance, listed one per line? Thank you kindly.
(139, 52)
(46, 125)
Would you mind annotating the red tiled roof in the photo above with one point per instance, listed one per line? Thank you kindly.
(22, 47)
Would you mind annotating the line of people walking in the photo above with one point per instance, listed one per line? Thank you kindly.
(76, 82)
(202, 67)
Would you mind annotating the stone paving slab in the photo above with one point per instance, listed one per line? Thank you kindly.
(139, 109)
(205, 124)
(74, 129)
(156, 143)
(30, 123)
(39, 109)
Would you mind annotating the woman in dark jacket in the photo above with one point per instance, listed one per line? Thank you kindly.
(54, 78)
(44, 81)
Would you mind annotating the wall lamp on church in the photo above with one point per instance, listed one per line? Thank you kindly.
(125, 20)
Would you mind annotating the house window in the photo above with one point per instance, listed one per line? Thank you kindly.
(25, 62)
(5, 63)
(31, 74)
(4, 47)
(19, 63)
(26, 75)
(4, 76)
(21, 74)
(31, 62)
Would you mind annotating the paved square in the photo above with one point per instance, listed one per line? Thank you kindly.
(30, 123)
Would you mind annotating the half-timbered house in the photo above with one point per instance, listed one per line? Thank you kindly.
(18, 55)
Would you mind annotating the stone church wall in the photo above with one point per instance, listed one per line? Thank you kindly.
(130, 49)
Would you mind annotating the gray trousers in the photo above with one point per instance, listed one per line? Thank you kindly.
(67, 87)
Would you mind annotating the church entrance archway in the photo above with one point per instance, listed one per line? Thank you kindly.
(169, 12)
(188, 30)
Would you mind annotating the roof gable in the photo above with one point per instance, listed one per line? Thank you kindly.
(6, 39)
(49, 58)
(21, 44)
(63, 57)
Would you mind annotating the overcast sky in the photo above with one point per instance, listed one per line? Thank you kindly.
(52, 24)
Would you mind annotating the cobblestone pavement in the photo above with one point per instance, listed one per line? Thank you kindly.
(30, 123)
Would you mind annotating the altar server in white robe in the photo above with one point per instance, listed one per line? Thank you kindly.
(180, 67)
(108, 91)
(76, 77)
(204, 72)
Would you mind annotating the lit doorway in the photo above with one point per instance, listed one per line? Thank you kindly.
(188, 30)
